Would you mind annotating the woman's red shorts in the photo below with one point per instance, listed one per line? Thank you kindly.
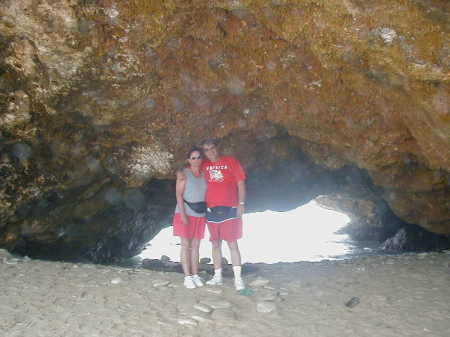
(195, 228)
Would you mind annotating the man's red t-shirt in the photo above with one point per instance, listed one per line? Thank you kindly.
(222, 177)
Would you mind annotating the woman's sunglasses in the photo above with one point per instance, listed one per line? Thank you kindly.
(195, 158)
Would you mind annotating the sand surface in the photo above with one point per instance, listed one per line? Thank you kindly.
(407, 295)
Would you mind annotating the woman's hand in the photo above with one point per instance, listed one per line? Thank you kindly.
(184, 219)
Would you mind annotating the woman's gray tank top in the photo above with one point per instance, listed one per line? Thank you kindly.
(194, 191)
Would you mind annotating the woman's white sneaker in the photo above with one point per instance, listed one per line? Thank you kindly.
(197, 281)
(189, 282)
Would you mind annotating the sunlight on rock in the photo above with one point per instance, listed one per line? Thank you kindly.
(307, 233)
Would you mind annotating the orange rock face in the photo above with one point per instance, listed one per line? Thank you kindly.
(121, 89)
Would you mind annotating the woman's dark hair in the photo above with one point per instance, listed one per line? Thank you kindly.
(194, 149)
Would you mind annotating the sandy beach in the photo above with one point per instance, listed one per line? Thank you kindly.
(405, 295)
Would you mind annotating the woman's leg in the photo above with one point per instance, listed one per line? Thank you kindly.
(195, 246)
(185, 256)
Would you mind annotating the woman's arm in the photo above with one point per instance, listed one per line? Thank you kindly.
(180, 186)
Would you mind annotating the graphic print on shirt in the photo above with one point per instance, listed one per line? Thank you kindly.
(216, 175)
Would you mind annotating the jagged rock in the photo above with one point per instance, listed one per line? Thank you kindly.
(97, 112)
(414, 238)
(205, 260)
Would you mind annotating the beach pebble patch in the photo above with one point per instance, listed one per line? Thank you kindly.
(223, 315)
(161, 283)
(202, 308)
(219, 304)
(201, 319)
(259, 282)
(265, 307)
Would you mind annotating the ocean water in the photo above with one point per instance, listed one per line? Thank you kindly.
(307, 233)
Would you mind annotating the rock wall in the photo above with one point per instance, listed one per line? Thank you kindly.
(102, 95)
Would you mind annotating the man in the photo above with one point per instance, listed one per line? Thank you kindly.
(225, 199)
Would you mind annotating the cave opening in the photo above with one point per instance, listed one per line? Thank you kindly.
(309, 232)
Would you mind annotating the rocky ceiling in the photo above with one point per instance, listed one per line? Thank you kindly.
(100, 99)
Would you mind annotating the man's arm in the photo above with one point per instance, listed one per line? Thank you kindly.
(241, 196)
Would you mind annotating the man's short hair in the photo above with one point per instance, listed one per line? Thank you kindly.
(209, 141)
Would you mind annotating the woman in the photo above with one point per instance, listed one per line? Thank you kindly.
(189, 224)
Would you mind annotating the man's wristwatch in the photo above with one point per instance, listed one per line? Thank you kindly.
(241, 203)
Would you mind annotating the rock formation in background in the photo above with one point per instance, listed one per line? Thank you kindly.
(100, 99)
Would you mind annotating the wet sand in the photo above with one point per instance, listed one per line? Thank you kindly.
(406, 295)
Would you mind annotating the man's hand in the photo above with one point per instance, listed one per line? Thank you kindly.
(240, 211)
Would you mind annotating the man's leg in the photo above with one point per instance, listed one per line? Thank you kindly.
(236, 261)
(217, 261)
(234, 253)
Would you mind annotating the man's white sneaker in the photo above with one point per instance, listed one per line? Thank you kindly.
(215, 281)
(239, 284)
(197, 281)
(189, 282)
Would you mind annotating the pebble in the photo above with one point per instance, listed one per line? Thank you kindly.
(265, 307)
(201, 319)
(269, 297)
(203, 308)
(187, 321)
(223, 314)
(353, 302)
(259, 282)
(116, 280)
(269, 288)
(10, 261)
(160, 283)
(217, 304)
(205, 260)
(165, 259)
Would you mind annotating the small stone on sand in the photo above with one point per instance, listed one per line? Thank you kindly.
(216, 304)
(116, 280)
(265, 307)
(203, 308)
(160, 283)
(353, 302)
(214, 290)
(259, 282)
(201, 319)
(187, 321)
(223, 315)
